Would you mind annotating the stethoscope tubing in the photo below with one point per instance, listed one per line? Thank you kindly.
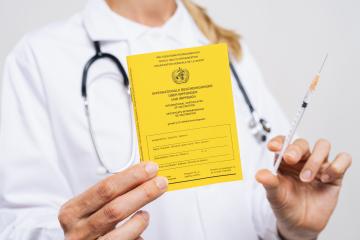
(101, 55)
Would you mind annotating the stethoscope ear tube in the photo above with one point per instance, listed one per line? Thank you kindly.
(100, 55)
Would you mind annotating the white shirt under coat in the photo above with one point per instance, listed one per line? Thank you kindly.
(46, 154)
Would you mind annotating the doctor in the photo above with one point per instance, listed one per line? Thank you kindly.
(49, 186)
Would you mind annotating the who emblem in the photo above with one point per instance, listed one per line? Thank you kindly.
(180, 75)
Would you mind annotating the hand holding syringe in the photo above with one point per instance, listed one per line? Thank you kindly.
(298, 117)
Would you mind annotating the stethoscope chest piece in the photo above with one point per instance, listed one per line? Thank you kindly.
(259, 128)
(101, 170)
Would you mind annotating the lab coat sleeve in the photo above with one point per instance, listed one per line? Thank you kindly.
(267, 107)
(32, 187)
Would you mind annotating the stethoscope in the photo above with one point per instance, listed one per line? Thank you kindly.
(258, 126)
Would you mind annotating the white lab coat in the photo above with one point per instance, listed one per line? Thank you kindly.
(46, 154)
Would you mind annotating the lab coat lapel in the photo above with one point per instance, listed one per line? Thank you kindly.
(102, 24)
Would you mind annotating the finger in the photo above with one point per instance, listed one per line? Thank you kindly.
(271, 184)
(317, 158)
(266, 178)
(323, 167)
(113, 186)
(336, 170)
(297, 151)
(276, 143)
(130, 230)
(123, 206)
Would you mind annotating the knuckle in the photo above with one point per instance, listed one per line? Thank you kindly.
(138, 174)
(64, 216)
(315, 161)
(295, 148)
(292, 154)
(105, 190)
(302, 140)
(79, 232)
(336, 171)
(303, 143)
(92, 226)
(113, 213)
(149, 192)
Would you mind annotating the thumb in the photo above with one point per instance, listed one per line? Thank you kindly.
(271, 184)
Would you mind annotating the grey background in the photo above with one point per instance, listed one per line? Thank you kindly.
(289, 40)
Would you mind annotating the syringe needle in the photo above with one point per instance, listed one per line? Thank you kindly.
(323, 63)
(316, 79)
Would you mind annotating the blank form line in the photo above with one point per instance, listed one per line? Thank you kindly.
(189, 141)
(225, 175)
(176, 153)
(165, 169)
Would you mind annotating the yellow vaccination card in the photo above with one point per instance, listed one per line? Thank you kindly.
(184, 113)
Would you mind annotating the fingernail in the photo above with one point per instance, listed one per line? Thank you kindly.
(144, 214)
(151, 168)
(325, 178)
(306, 175)
(275, 144)
(292, 154)
(161, 183)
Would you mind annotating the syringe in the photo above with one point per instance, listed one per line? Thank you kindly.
(298, 117)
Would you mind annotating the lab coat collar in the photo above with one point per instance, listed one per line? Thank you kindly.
(102, 24)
